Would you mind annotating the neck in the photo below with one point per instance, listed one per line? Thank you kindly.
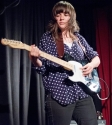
(65, 34)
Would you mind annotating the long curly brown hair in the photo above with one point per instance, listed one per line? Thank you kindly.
(63, 7)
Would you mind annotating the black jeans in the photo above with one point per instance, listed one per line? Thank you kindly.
(82, 111)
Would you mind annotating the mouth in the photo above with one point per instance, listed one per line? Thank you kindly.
(61, 23)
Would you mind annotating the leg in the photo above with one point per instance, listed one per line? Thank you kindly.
(85, 113)
(58, 114)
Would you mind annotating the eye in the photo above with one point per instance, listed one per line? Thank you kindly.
(57, 15)
(66, 14)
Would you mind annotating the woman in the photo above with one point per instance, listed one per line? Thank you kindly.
(65, 99)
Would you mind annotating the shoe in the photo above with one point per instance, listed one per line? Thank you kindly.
(99, 115)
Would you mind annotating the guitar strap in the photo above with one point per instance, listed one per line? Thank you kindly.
(84, 50)
(60, 48)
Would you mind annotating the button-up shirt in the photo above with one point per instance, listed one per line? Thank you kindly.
(55, 77)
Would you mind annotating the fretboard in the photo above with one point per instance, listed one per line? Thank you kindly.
(54, 59)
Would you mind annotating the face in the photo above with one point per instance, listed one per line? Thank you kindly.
(62, 20)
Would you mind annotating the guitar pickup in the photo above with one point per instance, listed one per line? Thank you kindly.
(88, 84)
(89, 76)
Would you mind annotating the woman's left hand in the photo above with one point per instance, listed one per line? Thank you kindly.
(87, 69)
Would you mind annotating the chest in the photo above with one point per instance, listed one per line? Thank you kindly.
(74, 50)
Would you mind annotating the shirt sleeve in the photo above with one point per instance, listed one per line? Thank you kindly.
(45, 63)
(88, 49)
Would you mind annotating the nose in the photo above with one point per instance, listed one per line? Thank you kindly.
(61, 17)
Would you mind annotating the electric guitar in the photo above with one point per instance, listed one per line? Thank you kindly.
(91, 81)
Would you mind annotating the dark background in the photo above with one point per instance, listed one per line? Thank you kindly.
(26, 20)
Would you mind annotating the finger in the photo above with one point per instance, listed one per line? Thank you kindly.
(87, 72)
(35, 51)
(85, 67)
(32, 48)
(33, 45)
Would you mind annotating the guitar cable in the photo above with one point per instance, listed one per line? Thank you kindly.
(108, 91)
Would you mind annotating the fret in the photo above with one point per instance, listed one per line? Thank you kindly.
(57, 60)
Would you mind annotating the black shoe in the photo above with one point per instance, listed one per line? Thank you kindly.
(99, 115)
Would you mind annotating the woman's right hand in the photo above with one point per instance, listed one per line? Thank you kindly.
(34, 54)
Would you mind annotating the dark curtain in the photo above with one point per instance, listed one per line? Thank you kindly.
(103, 19)
(21, 89)
(25, 23)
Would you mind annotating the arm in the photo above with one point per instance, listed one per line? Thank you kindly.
(41, 64)
(87, 69)
(95, 62)
(38, 62)
(91, 54)
(34, 54)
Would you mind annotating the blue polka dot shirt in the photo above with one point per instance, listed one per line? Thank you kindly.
(54, 80)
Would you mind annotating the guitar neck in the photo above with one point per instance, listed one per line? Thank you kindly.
(54, 59)
(20, 45)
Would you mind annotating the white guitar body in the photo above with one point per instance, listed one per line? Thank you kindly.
(90, 82)
(77, 72)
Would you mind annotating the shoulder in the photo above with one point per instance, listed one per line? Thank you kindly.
(46, 34)
(79, 35)
(81, 38)
(46, 38)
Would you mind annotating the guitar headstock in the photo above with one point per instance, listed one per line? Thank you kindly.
(13, 43)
